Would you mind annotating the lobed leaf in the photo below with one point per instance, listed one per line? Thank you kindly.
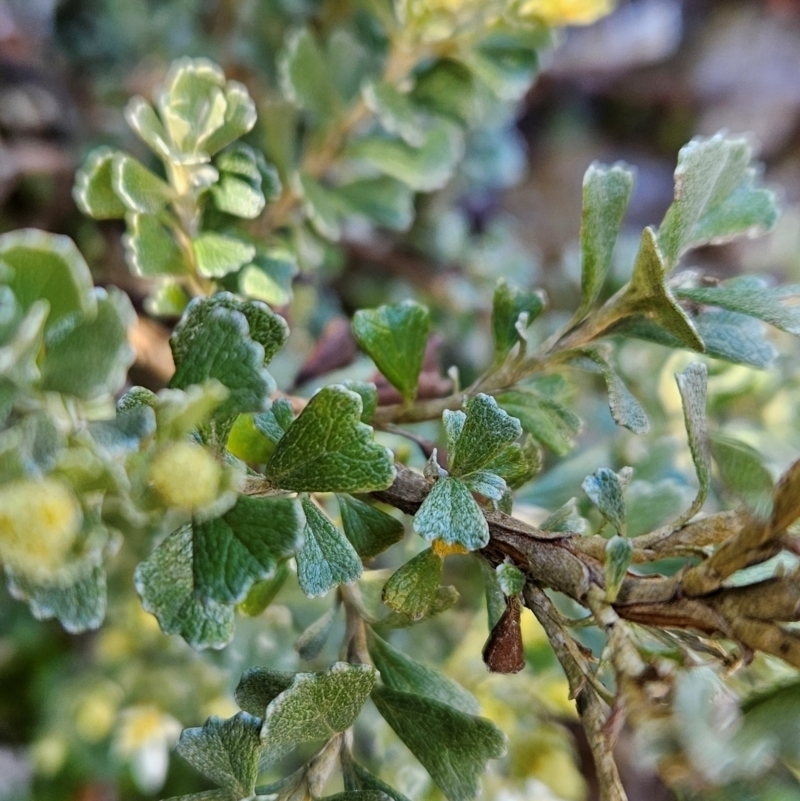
(618, 556)
(395, 111)
(93, 191)
(137, 187)
(259, 686)
(508, 303)
(605, 491)
(543, 417)
(450, 513)
(369, 530)
(383, 200)
(412, 589)
(217, 255)
(357, 778)
(151, 249)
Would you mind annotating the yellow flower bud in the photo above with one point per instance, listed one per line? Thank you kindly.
(39, 522)
(442, 548)
(186, 475)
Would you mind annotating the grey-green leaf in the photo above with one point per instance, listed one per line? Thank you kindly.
(404, 674)
(395, 111)
(605, 491)
(692, 384)
(310, 643)
(452, 746)
(166, 586)
(743, 472)
(606, 194)
(395, 338)
(369, 530)
(329, 449)
(716, 196)
(566, 518)
(357, 777)
(383, 200)
(93, 191)
(327, 558)
(137, 187)
(544, 418)
(225, 751)
(412, 589)
(316, 706)
(450, 513)
(508, 303)
(246, 544)
(151, 249)
(217, 255)
(618, 556)
(259, 686)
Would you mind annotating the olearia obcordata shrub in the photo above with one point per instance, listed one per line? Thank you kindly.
(224, 490)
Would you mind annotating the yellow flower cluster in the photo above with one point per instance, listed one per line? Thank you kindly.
(553, 13)
(565, 12)
(39, 522)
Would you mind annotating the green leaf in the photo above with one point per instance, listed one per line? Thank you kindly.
(322, 207)
(357, 777)
(369, 530)
(618, 556)
(412, 589)
(144, 121)
(238, 190)
(168, 299)
(47, 267)
(225, 751)
(165, 584)
(743, 473)
(424, 169)
(76, 597)
(510, 578)
(151, 249)
(486, 483)
(327, 558)
(625, 409)
(606, 194)
(395, 338)
(138, 188)
(487, 431)
(452, 746)
(90, 356)
(735, 338)
(263, 593)
(545, 419)
(748, 295)
(605, 491)
(230, 341)
(316, 706)
(369, 397)
(505, 66)
(716, 197)
(275, 422)
(93, 191)
(329, 449)
(259, 686)
(386, 201)
(444, 598)
(310, 643)
(450, 513)
(218, 255)
(692, 384)
(306, 78)
(246, 544)
(365, 795)
(508, 304)
(567, 518)
(269, 277)
(648, 294)
(395, 111)
(401, 673)
(448, 88)
(240, 117)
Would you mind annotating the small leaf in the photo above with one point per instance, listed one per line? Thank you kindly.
(310, 643)
(329, 449)
(444, 598)
(567, 518)
(486, 483)
(748, 295)
(605, 491)
(93, 192)
(240, 117)
(507, 305)
(510, 578)
(503, 651)
(424, 169)
(275, 422)
(263, 593)
(369, 530)
(138, 188)
(259, 686)
(269, 277)
(412, 589)
(403, 674)
(383, 200)
(452, 746)
(238, 190)
(322, 207)
(735, 338)
(606, 194)
(369, 397)
(316, 706)
(90, 356)
(327, 558)
(306, 79)
(544, 418)
(487, 431)
(218, 255)
(166, 586)
(245, 545)
(692, 384)
(365, 795)
(225, 751)
(395, 338)
(716, 197)
(144, 121)
(47, 267)
(151, 249)
(451, 514)
(507, 68)
(357, 777)
(743, 473)
(625, 409)
(648, 294)
(395, 111)
(618, 556)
